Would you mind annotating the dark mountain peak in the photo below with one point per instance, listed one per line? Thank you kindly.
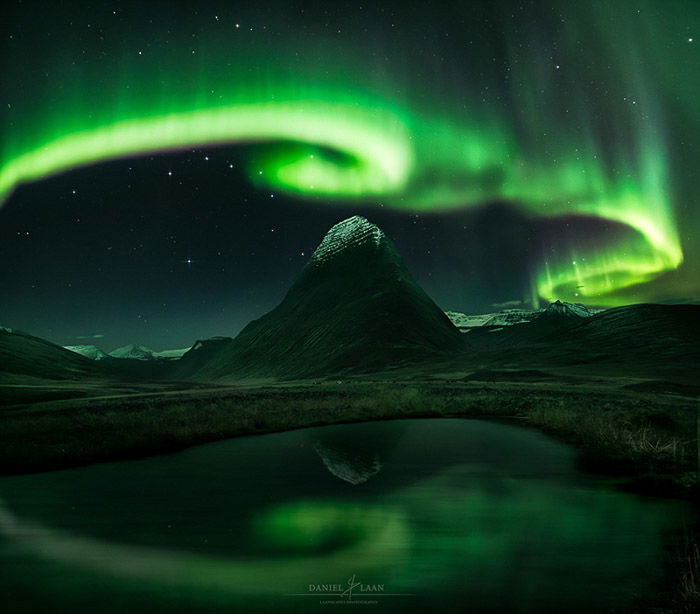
(208, 343)
(354, 257)
(354, 308)
(354, 247)
(567, 310)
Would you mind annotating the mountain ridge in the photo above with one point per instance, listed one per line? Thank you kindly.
(354, 307)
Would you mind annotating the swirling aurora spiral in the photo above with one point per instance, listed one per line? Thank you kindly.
(373, 151)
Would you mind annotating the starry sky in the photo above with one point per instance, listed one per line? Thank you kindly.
(166, 168)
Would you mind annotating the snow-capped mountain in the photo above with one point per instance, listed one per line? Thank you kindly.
(171, 354)
(345, 235)
(139, 352)
(569, 310)
(509, 317)
(89, 351)
(133, 352)
(353, 307)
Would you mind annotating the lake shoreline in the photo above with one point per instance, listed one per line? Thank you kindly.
(643, 441)
(648, 442)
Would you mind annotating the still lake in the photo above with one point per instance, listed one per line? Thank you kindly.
(400, 516)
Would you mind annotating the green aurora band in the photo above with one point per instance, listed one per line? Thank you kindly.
(380, 158)
(337, 142)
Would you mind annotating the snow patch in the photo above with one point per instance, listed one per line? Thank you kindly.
(133, 352)
(510, 317)
(89, 351)
(569, 310)
(507, 317)
(171, 354)
(349, 233)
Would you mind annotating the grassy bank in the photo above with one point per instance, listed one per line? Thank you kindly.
(652, 441)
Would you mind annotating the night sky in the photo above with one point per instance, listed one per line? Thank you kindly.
(168, 167)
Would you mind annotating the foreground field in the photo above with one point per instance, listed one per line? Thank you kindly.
(651, 438)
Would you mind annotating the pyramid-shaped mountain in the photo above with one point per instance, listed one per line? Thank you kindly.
(354, 308)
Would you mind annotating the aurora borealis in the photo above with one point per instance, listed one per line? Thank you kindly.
(582, 116)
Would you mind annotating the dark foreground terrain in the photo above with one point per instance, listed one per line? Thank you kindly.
(642, 432)
(634, 428)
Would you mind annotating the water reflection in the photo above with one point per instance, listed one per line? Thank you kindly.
(356, 454)
(488, 515)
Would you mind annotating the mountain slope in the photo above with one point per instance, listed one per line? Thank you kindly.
(567, 310)
(89, 351)
(22, 355)
(510, 317)
(133, 352)
(354, 308)
(656, 331)
(658, 340)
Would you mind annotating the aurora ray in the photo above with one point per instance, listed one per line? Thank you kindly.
(380, 153)
(331, 132)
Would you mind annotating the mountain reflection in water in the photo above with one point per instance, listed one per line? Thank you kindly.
(485, 514)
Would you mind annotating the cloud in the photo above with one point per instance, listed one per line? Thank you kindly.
(508, 304)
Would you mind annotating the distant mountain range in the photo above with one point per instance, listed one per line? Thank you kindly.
(464, 322)
(89, 351)
(127, 352)
(509, 317)
(355, 309)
